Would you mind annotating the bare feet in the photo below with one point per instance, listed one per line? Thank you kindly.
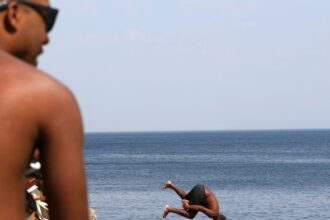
(166, 211)
(167, 184)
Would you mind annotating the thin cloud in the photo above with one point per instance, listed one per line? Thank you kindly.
(131, 36)
(223, 6)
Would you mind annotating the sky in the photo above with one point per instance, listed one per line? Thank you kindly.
(182, 65)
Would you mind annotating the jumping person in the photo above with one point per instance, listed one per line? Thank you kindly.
(199, 199)
(36, 111)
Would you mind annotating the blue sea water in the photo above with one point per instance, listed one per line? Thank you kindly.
(255, 174)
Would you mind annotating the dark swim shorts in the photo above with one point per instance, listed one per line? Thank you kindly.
(196, 197)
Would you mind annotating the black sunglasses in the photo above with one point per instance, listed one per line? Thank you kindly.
(48, 13)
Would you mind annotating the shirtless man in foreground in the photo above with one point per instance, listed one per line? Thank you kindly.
(200, 198)
(36, 111)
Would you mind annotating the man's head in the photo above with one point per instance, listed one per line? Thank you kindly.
(222, 217)
(23, 27)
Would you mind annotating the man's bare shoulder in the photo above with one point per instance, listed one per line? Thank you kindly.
(19, 80)
(32, 94)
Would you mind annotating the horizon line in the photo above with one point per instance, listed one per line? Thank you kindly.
(211, 130)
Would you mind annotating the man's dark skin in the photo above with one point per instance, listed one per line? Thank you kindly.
(211, 209)
(36, 111)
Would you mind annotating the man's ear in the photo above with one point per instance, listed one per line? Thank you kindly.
(12, 17)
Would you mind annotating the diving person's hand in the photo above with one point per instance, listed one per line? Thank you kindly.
(185, 204)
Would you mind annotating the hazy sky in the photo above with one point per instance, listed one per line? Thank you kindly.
(153, 65)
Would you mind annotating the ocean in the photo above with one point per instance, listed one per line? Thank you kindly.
(280, 174)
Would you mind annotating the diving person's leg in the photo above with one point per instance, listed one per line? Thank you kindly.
(178, 190)
(182, 212)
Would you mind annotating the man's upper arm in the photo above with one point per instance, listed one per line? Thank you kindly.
(61, 132)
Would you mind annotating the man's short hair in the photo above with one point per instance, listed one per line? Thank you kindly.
(222, 217)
